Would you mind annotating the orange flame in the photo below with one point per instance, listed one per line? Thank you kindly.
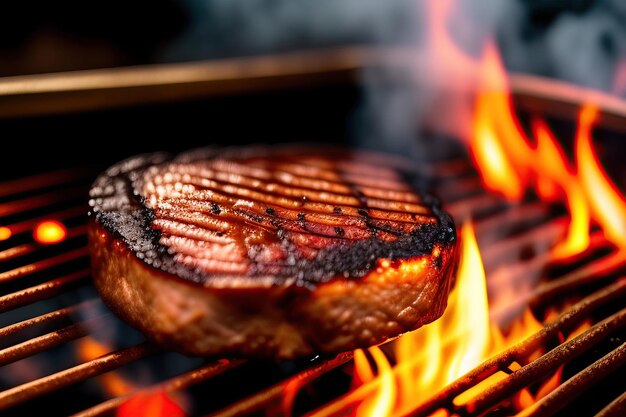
(510, 164)
(607, 204)
(455, 343)
(382, 403)
(49, 232)
(492, 122)
(552, 166)
(439, 353)
(155, 403)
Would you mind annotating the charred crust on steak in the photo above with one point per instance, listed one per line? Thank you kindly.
(120, 205)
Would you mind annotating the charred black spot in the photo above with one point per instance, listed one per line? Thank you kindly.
(337, 210)
(215, 209)
(340, 232)
(270, 211)
(362, 198)
(301, 220)
(381, 226)
(275, 222)
(438, 262)
(363, 213)
(255, 217)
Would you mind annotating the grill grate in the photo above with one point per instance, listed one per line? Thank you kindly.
(25, 202)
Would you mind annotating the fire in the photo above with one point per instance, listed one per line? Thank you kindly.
(439, 353)
(559, 174)
(511, 163)
(514, 163)
(607, 204)
(113, 384)
(455, 343)
(525, 399)
(155, 403)
(493, 121)
(49, 232)
(150, 404)
(380, 404)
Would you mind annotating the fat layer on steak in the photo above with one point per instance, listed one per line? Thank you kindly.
(269, 252)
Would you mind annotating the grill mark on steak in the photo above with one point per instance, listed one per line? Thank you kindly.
(247, 188)
(373, 188)
(305, 231)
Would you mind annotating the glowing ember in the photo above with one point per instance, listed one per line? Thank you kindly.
(113, 384)
(5, 233)
(150, 404)
(140, 404)
(49, 232)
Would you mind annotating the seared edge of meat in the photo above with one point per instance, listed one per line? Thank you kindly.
(281, 322)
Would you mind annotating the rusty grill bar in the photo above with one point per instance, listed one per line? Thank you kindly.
(465, 197)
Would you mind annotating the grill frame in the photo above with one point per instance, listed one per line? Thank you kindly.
(482, 207)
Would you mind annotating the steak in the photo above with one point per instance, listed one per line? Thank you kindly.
(274, 252)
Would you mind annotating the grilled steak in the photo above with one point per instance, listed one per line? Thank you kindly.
(269, 252)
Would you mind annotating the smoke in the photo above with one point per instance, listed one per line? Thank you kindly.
(241, 27)
(580, 42)
(576, 41)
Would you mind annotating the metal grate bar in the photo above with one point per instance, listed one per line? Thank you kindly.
(576, 385)
(533, 211)
(39, 181)
(546, 364)
(545, 235)
(461, 188)
(40, 201)
(29, 248)
(41, 291)
(22, 271)
(268, 395)
(42, 343)
(28, 225)
(51, 318)
(616, 408)
(593, 272)
(177, 383)
(108, 362)
(466, 208)
(568, 320)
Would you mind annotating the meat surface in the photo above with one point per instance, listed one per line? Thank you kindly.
(269, 252)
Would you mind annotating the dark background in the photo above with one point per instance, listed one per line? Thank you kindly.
(580, 41)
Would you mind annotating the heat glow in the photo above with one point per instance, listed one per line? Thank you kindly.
(49, 232)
